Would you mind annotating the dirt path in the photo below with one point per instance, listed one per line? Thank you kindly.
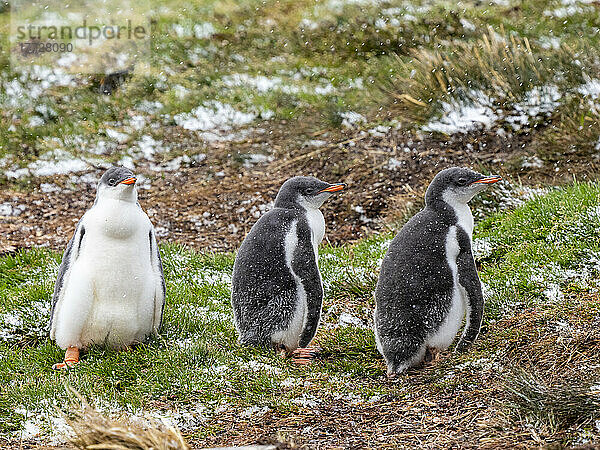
(213, 204)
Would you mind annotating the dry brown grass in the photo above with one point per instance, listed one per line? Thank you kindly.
(552, 407)
(95, 431)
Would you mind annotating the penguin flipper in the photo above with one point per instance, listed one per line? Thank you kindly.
(159, 277)
(305, 266)
(69, 257)
(469, 280)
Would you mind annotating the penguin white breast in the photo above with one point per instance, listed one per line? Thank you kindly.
(463, 213)
(109, 295)
(446, 333)
(290, 336)
(316, 223)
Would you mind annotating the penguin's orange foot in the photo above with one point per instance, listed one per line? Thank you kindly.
(71, 359)
(304, 356)
(65, 365)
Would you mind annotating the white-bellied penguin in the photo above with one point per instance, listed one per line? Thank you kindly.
(428, 279)
(110, 288)
(277, 292)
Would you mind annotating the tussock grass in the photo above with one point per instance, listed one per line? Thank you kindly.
(95, 431)
(555, 407)
(497, 69)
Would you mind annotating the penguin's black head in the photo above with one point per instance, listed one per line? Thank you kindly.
(117, 182)
(305, 192)
(457, 185)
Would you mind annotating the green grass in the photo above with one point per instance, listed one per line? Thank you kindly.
(558, 250)
(196, 364)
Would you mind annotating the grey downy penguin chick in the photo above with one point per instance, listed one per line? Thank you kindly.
(110, 288)
(277, 290)
(428, 278)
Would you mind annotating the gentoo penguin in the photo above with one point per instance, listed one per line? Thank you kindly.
(277, 290)
(110, 288)
(428, 278)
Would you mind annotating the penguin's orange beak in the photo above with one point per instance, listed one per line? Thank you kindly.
(129, 180)
(488, 180)
(334, 188)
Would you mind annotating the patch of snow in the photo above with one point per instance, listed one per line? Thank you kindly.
(172, 165)
(379, 131)
(266, 114)
(89, 178)
(101, 147)
(394, 164)
(590, 88)
(213, 277)
(147, 146)
(308, 24)
(213, 115)
(204, 30)
(549, 42)
(7, 209)
(46, 111)
(326, 89)
(351, 119)
(16, 173)
(255, 410)
(127, 162)
(467, 25)
(350, 398)
(532, 162)
(184, 419)
(36, 121)
(181, 92)
(348, 320)
(180, 30)
(508, 196)
(149, 107)
(56, 162)
(567, 11)
(31, 82)
(259, 82)
(49, 187)
(314, 143)
(137, 122)
(161, 231)
(118, 136)
(30, 321)
(487, 291)
(538, 102)
(257, 366)
(482, 248)
(306, 401)
(222, 136)
(289, 382)
(459, 117)
(256, 158)
(553, 293)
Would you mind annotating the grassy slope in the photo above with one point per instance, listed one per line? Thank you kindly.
(527, 379)
(307, 45)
